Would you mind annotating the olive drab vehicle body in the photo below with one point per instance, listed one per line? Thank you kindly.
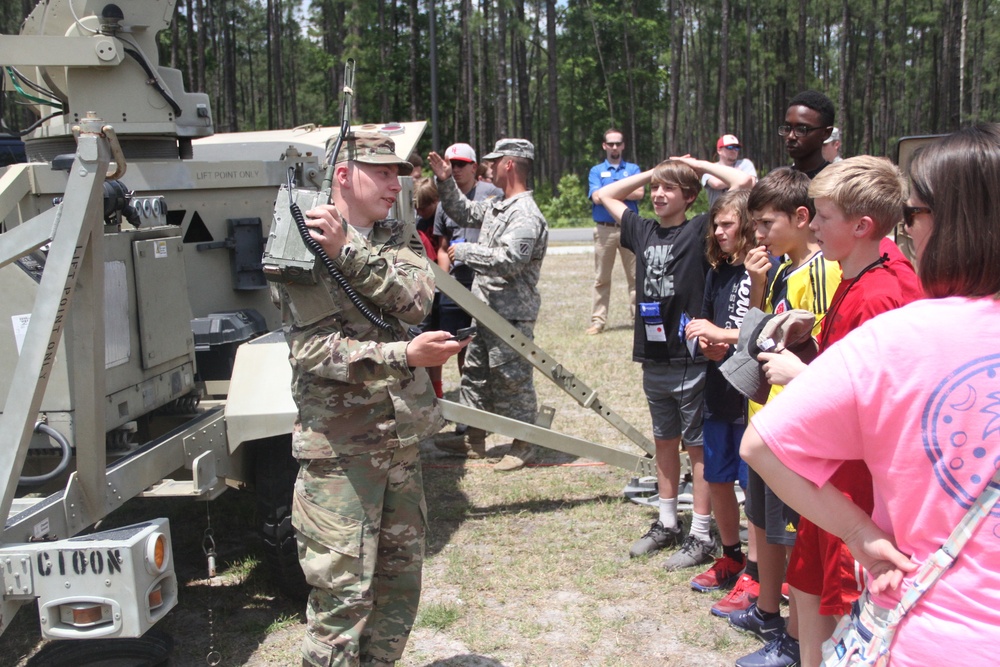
(140, 351)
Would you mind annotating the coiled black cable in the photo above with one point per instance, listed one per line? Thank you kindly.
(338, 277)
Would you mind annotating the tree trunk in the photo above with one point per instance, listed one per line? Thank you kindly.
(723, 121)
(523, 81)
(604, 70)
(192, 70)
(842, 116)
(676, 14)
(503, 117)
(867, 103)
(633, 144)
(553, 110)
(466, 64)
(229, 70)
(801, 43)
(414, 45)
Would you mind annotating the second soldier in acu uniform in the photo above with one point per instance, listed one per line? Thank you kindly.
(507, 261)
(364, 403)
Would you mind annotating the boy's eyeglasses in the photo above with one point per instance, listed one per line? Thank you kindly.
(910, 211)
(800, 130)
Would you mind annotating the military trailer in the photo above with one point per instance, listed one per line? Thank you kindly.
(140, 352)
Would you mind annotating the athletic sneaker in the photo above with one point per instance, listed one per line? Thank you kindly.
(749, 620)
(656, 538)
(744, 594)
(723, 573)
(693, 552)
(782, 651)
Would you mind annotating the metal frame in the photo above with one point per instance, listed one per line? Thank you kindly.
(558, 374)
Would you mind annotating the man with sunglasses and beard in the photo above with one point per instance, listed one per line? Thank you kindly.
(607, 232)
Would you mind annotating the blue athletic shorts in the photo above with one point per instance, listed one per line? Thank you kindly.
(722, 452)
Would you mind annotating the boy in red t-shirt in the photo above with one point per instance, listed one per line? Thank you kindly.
(858, 202)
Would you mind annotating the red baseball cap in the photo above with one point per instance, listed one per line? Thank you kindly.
(727, 140)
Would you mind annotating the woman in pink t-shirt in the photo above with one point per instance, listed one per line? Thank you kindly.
(915, 394)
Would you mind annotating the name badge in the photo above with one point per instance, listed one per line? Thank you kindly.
(653, 322)
(605, 174)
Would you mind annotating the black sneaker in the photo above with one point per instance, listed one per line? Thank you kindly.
(782, 651)
(656, 538)
(750, 620)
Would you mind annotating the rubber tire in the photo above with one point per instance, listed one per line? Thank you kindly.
(275, 473)
(151, 650)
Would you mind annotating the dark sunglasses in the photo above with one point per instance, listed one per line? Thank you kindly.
(799, 130)
(910, 211)
(732, 147)
(459, 164)
(615, 143)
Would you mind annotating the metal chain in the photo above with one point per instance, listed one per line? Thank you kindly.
(208, 543)
(213, 657)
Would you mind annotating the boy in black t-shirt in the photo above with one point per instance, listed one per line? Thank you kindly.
(670, 284)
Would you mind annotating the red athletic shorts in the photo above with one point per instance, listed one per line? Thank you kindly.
(821, 563)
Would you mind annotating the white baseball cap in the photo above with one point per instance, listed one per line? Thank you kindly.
(463, 152)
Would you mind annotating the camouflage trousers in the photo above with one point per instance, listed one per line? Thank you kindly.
(498, 379)
(360, 523)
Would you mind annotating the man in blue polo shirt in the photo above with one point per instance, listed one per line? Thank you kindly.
(607, 231)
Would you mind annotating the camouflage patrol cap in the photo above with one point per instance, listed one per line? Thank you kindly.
(512, 148)
(371, 148)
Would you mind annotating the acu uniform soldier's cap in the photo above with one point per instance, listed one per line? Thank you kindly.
(512, 148)
(371, 148)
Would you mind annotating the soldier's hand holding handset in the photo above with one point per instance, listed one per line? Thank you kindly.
(327, 227)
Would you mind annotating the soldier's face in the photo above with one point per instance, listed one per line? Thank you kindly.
(374, 188)
(500, 172)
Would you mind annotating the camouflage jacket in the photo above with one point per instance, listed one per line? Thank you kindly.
(350, 381)
(508, 257)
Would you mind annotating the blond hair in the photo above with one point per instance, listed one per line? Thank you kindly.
(864, 186)
(425, 192)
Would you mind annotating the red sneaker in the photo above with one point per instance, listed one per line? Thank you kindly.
(744, 592)
(723, 573)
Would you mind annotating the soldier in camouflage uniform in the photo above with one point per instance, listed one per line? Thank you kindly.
(507, 260)
(364, 402)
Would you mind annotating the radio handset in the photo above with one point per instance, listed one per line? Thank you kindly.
(291, 252)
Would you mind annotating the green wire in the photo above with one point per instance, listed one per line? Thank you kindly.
(39, 100)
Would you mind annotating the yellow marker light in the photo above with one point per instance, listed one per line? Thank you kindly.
(84, 614)
(156, 598)
(156, 553)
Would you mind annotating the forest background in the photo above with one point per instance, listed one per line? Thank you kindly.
(671, 74)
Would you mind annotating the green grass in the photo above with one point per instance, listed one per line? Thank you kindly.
(439, 616)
